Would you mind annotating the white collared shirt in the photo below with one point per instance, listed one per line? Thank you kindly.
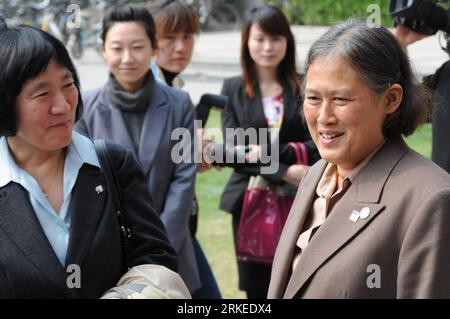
(55, 226)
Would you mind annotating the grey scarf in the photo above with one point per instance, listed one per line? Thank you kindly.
(132, 105)
(130, 102)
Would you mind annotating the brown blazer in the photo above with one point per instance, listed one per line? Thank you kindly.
(407, 234)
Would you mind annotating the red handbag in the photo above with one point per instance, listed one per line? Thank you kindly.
(264, 213)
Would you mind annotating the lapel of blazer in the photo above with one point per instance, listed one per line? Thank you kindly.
(19, 222)
(297, 216)
(337, 230)
(289, 108)
(154, 126)
(114, 128)
(86, 206)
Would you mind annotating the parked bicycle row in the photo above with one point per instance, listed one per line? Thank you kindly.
(77, 23)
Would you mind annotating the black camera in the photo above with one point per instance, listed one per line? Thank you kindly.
(227, 155)
(208, 102)
(422, 16)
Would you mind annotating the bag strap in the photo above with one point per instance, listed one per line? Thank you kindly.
(114, 188)
(300, 152)
(304, 152)
(297, 152)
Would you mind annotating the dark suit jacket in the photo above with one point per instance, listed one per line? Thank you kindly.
(440, 83)
(29, 267)
(403, 246)
(171, 185)
(245, 112)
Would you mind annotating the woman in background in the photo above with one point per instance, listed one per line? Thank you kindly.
(266, 96)
(134, 110)
(177, 25)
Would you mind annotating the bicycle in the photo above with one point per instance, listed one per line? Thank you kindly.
(217, 15)
(87, 31)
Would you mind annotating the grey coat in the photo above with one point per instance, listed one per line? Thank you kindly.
(171, 185)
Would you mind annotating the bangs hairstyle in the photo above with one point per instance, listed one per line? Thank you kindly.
(129, 13)
(376, 54)
(273, 22)
(25, 53)
(174, 16)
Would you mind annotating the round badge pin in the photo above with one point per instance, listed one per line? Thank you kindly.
(364, 213)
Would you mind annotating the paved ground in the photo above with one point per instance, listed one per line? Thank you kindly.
(218, 53)
(216, 57)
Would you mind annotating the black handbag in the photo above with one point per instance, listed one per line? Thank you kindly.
(116, 192)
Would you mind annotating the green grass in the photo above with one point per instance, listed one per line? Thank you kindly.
(420, 141)
(214, 229)
(328, 12)
(215, 233)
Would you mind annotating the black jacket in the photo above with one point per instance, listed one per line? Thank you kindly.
(29, 267)
(440, 83)
(245, 112)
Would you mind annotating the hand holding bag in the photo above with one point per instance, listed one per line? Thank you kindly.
(264, 212)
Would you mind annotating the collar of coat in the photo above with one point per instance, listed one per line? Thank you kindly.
(366, 191)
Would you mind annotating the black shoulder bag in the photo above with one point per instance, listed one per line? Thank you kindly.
(114, 187)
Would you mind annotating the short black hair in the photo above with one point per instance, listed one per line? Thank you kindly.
(25, 53)
(130, 13)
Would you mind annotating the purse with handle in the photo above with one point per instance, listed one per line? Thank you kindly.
(114, 188)
(264, 212)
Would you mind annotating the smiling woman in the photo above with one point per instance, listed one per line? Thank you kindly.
(46, 110)
(345, 117)
(127, 48)
(370, 219)
(139, 113)
(54, 212)
(267, 96)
